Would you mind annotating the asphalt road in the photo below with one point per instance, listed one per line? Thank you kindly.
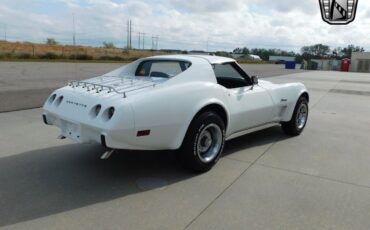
(25, 85)
(266, 180)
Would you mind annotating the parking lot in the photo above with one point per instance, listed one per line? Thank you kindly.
(266, 180)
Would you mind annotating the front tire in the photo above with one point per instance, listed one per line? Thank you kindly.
(203, 143)
(295, 126)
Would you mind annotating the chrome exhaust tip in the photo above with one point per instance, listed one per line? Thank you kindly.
(107, 154)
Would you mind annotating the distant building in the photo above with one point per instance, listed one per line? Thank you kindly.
(246, 56)
(255, 57)
(236, 56)
(281, 59)
(327, 64)
(360, 62)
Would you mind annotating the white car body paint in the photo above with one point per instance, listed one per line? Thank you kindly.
(166, 107)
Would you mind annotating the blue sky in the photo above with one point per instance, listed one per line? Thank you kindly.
(180, 24)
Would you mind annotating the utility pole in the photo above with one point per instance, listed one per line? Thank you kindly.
(152, 42)
(139, 41)
(4, 32)
(74, 44)
(74, 30)
(130, 34)
(143, 41)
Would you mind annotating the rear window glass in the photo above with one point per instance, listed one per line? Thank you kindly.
(162, 69)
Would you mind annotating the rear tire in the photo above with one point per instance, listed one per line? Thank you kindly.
(203, 143)
(296, 125)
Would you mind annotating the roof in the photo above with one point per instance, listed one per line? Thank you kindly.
(193, 58)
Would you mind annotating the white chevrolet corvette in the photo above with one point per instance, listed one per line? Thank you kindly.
(190, 103)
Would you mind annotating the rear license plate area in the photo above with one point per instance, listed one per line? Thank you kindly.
(72, 130)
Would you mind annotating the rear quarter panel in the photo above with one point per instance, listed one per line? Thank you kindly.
(168, 112)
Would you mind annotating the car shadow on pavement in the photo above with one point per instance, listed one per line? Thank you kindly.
(48, 181)
(259, 138)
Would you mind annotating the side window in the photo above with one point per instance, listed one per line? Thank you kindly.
(228, 76)
(160, 68)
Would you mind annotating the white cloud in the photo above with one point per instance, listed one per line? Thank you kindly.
(287, 24)
(201, 6)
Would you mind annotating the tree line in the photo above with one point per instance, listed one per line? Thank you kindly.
(317, 51)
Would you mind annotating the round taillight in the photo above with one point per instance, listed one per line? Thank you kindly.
(110, 112)
(59, 100)
(52, 98)
(97, 110)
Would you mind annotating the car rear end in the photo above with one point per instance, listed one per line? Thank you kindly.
(90, 114)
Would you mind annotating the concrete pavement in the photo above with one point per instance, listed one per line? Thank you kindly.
(266, 180)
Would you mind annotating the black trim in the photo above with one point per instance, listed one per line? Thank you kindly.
(242, 73)
(102, 139)
(142, 133)
(44, 119)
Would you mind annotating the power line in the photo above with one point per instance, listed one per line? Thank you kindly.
(167, 41)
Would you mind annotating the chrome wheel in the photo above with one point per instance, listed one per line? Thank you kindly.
(209, 143)
(302, 114)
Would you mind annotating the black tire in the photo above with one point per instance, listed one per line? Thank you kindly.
(293, 127)
(207, 127)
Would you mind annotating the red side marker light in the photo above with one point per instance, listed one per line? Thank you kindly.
(142, 133)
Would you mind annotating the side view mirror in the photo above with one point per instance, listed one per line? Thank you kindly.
(254, 80)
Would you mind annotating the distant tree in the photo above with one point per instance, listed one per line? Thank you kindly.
(237, 51)
(51, 41)
(243, 50)
(109, 45)
(266, 53)
(337, 53)
(318, 50)
(223, 54)
(347, 51)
